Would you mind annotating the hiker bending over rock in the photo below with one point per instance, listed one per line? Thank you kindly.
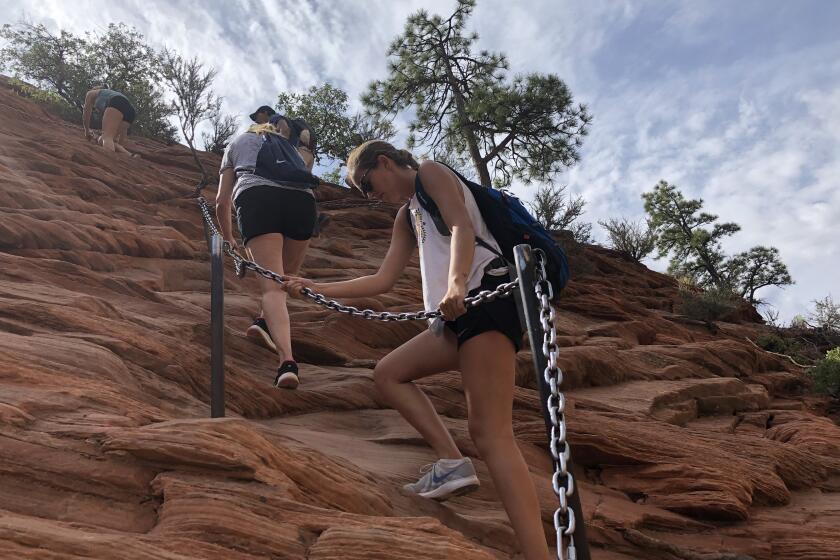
(481, 341)
(264, 178)
(117, 114)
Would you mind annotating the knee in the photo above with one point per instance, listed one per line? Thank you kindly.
(488, 436)
(383, 375)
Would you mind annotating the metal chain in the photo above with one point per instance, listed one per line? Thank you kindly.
(562, 481)
(241, 264)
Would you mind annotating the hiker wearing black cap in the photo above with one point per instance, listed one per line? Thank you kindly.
(300, 136)
(269, 185)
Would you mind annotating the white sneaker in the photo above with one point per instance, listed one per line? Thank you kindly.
(445, 478)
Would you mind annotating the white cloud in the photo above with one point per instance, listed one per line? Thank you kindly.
(737, 104)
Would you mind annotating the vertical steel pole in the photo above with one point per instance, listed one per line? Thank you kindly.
(217, 329)
(529, 310)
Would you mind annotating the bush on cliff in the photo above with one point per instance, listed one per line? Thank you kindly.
(826, 374)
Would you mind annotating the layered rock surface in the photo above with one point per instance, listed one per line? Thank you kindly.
(688, 444)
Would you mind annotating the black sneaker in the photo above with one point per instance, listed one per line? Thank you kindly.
(287, 375)
(259, 331)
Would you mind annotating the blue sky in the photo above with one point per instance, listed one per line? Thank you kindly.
(737, 103)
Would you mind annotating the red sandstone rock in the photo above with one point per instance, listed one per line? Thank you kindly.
(688, 444)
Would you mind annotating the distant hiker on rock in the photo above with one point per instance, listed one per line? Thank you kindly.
(264, 178)
(481, 341)
(117, 114)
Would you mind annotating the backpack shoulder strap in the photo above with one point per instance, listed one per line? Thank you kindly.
(408, 221)
(461, 177)
(431, 207)
(426, 201)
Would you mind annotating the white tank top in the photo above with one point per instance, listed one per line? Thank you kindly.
(435, 250)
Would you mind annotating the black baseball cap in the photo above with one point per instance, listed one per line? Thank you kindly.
(264, 109)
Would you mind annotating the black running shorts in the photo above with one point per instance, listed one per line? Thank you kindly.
(124, 106)
(497, 315)
(265, 209)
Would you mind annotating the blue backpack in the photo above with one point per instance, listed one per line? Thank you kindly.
(279, 161)
(510, 223)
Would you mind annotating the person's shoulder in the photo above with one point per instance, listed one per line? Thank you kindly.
(430, 165)
(244, 137)
(436, 174)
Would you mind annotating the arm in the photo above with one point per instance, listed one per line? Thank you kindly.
(445, 189)
(399, 253)
(90, 97)
(223, 204)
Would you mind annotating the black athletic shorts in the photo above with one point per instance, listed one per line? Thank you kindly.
(124, 106)
(497, 315)
(265, 209)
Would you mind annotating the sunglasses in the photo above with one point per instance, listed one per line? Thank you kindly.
(364, 186)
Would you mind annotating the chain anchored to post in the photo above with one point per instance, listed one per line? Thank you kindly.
(241, 264)
(535, 308)
(534, 302)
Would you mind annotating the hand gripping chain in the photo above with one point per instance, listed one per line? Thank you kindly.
(562, 481)
(241, 264)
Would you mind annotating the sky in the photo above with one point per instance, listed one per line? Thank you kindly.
(737, 103)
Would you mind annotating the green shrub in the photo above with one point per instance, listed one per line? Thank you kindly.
(775, 343)
(709, 305)
(50, 101)
(826, 374)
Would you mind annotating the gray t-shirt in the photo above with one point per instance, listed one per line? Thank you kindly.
(241, 155)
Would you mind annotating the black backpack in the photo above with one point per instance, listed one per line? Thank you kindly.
(509, 222)
(279, 161)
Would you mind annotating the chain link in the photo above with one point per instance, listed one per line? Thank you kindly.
(241, 264)
(562, 480)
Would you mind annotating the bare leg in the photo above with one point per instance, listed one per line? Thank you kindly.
(267, 251)
(111, 121)
(423, 355)
(294, 252)
(487, 364)
(119, 141)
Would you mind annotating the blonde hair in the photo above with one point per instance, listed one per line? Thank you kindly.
(260, 128)
(365, 155)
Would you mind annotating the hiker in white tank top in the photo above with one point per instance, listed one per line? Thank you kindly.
(436, 252)
(480, 342)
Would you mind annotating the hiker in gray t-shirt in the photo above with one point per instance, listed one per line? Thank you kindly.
(241, 155)
(276, 219)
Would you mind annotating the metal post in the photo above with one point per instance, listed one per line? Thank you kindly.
(217, 329)
(528, 306)
(529, 314)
